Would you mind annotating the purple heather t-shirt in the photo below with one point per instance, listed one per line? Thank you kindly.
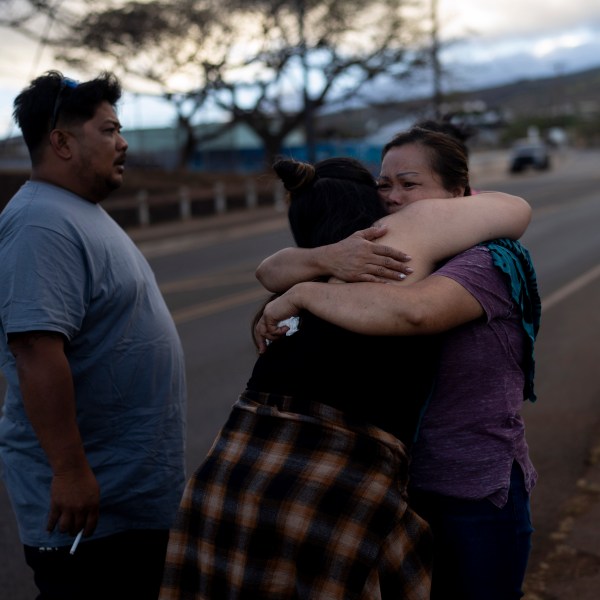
(472, 430)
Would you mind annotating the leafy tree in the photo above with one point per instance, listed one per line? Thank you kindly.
(270, 64)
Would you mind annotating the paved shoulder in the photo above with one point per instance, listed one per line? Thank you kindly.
(572, 567)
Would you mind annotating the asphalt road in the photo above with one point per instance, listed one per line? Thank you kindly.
(206, 273)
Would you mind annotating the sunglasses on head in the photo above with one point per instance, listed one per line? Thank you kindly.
(66, 82)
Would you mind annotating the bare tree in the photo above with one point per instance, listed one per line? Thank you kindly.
(270, 64)
(309, 54)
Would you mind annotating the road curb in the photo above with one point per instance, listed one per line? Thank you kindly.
(572, 567)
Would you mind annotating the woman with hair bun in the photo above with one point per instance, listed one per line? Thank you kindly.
(303, 493)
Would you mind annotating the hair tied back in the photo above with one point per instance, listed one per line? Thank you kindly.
(294, 174)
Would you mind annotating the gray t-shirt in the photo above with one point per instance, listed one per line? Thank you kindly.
(472, 430)
(66, 266)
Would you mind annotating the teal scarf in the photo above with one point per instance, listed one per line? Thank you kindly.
(514, 261)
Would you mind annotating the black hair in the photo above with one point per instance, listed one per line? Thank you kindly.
(447, 155)
(48, 99)
(461, 133)
(330, 200)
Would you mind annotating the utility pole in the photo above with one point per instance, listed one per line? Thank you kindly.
(309, 123)
(436, 67)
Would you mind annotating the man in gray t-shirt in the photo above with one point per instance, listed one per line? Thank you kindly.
(92, 431)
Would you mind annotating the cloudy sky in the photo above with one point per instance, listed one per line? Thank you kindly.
(522, 38)
(502, 40)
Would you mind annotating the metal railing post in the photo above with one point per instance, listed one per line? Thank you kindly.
(143, 209)
(220, 199)
(251, 195)
(185, 204)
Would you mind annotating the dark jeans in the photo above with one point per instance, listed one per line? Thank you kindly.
(125, 566)
(480, 550)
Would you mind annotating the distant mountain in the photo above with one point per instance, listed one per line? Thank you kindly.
(532, 96)
(573, 93)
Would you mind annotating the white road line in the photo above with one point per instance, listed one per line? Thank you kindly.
(208, 308)
(203, 238)
(185, 315)
(571, 287)
(207, 282)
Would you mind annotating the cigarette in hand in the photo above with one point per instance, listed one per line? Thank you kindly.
(76, 542)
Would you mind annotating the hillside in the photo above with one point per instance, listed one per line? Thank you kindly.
(530, 96)
(576, 93)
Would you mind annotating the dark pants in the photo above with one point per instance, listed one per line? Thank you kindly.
(480, 550)
(125, 566)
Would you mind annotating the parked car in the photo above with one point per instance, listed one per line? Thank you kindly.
(528, 154)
